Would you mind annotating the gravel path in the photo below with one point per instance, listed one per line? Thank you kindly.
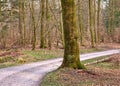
(32, 74)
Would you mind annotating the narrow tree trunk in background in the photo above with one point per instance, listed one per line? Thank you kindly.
(33, 26)
(109, 19)
(95, 24)
(98, 20)
(62, 32)
(0, 11)
(29, 32)
(91, 24)
(61, 26)
(80, 22)
(20, 22)
(71, 52)
(24, 23)
(47, 25)
(42, 44)
(113, 25)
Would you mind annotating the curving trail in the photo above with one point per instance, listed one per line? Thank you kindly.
(32, 74)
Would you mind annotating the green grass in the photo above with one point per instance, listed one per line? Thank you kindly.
(104, 65)
(40, 55)
(34, 56)
(107, 65)
(94, 59)
(89, 50)
(44, 54)
(8, 64)
(29, 56)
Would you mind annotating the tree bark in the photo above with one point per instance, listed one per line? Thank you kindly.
(71, 52)
(80, 22)
(91, 24)
(98, 21)
(42, 45)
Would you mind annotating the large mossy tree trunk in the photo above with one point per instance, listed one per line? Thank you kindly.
(71, 52)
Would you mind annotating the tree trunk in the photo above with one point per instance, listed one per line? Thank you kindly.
(33, 25)
(98, 21)
(24, 22)
(80, 22)
(71, 52)
(91, 24)
(95, 23)
(20, 22)
(42, 45)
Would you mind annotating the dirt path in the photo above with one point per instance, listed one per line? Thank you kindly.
(32, 74)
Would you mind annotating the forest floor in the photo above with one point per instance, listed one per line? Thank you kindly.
(105, 73)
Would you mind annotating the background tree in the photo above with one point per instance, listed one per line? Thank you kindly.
(42, 41)
(91, 23)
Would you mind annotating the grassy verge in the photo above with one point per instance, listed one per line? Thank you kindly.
(13, 57)
(94, 59)
(82, 51)
(40, 55)
(100, 74)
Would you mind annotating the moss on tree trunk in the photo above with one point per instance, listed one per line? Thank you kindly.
(71, 52)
